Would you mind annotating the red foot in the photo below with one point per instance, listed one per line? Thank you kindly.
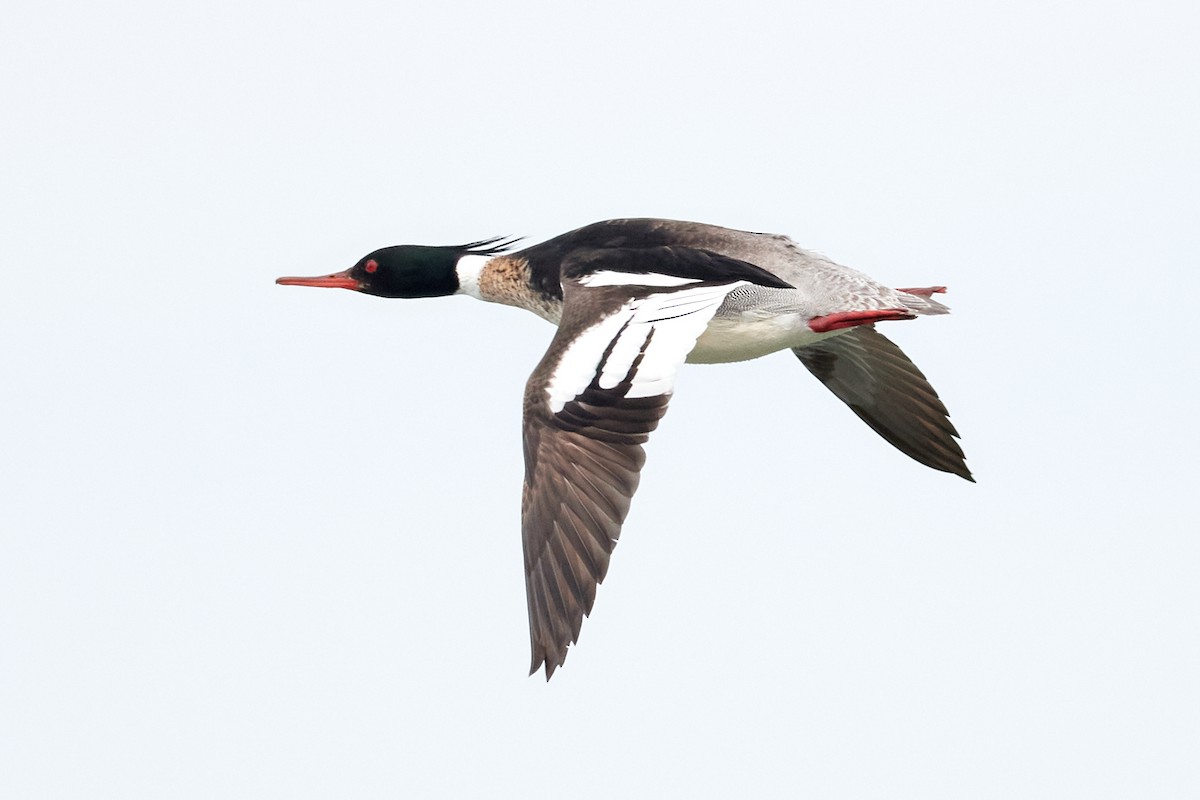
(928, 291)
(848, 319)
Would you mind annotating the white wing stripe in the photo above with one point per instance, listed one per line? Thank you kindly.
(678, 319)
(629, 344)
(577, 367)
(606, 277)
(661, 328)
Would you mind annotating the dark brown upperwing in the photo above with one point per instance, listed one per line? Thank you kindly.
(632, 327)
(582, 467)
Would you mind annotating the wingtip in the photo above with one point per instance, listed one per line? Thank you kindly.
(959, 469)
(538, 662)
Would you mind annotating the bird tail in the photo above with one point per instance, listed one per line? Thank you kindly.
(920, 300)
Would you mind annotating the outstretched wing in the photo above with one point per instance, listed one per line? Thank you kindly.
(869, 373)
(590, 405)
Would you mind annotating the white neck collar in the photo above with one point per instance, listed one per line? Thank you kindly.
(469, 268)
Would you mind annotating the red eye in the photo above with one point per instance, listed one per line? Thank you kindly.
(371, 265)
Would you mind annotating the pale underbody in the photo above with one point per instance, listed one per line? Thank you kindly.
(746, 335)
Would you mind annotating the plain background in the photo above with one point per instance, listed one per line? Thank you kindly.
(263, 542)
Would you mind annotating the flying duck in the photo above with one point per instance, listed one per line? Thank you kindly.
(633, 299)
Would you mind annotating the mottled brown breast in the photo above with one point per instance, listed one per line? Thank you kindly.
(506, 279)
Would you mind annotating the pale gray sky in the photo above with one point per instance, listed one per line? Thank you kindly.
(264, 542)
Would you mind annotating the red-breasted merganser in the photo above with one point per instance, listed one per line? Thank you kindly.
(633, 299)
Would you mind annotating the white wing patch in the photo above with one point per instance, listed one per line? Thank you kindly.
(577, 366)
(608, 277)
(661, 329)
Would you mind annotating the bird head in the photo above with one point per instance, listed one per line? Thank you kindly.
(406, 270)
